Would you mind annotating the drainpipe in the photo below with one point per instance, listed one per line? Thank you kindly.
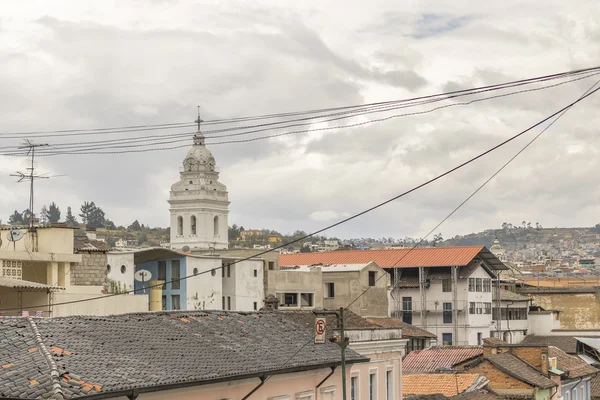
(322, 382)
(508, 320)
(263, 379)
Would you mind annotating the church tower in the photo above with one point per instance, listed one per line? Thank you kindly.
(199, 203)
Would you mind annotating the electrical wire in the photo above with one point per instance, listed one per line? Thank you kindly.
(448, 172)
(78, 149)
(135, 128)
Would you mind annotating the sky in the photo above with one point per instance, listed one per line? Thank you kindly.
(96, 64)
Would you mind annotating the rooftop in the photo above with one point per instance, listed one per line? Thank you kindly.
(79, 356)
(398, 258)
(514, 366)
(408, 330)
(568, 344)
(575, 366)
(437, 358)
(84, 244)
(507, 295)
(327, 267)
(445, 384)
(27, 286)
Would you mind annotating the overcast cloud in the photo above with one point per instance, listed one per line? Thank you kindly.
(86, 64)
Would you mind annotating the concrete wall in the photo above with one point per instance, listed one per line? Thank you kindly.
(542, 324)
(579, 310)
(348, 285)
(55, 240)
(116, 260)
(297, 385)
(297, 282)
(204, 291)
(120, 304)
(25, 301)
(244, 288)
(91, 271)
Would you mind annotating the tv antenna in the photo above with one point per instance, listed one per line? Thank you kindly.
(30, 175)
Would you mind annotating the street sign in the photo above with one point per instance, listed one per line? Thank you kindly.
(320, 325)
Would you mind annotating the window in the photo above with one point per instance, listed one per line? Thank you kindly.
(175, 302)
(223, 270)
(471, 284)
(567, 395)
(290, 299)
(487, 308)
(372, 276)
(511, 314)
(229, 271)
(196, 271)
(354, 388)
(271, 265)
(108, 269)
(193, 224)
(389, 385)
(471, 308)
(478, 285)
(407, 310)
(180, 225)
(372, 386)
(213, 272)
(487, 285)
(446, 285)
(415, 344)
(306, 300)
(216, 225)
(228, 303)
(191, 182)
(479, 308)
(255, 305)
(175, 275)
(329, 290)
(255, 273)
(162, 273)
(447, 313)
(123, 269)
(575, 394)
(447, 339)
(164, 302)
(479, 338)
(223, 303)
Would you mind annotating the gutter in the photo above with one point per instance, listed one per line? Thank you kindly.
(263, 379)
(180, 385)
(322, 382)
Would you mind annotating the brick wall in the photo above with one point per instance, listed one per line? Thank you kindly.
(535, 356)
(91, 271)
(498, 379)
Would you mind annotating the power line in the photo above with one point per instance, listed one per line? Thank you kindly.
(438, 177)
(135, 128)
(88, 148)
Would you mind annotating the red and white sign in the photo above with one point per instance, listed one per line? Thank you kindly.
(320, 326)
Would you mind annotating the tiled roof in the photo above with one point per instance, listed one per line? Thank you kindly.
(408, 330)
(148, 351)
(438, 357)
(595, 387)
(494, 341)
(514, 366)
(568, 344)
(472, 395)
(399, 258)
(575, 366)
(27, 285)
(307, 319)
(445, 384)
(83, 244)
(509, 296)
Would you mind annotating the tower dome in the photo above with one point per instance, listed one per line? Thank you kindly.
(199, 203)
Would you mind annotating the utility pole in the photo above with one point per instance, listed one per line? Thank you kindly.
(30, 175)
(343, 343)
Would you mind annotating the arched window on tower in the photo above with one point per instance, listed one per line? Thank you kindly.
(216, 225)
(193, 224)
(180, 225)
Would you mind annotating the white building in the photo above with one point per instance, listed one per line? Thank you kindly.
(120, 268)
(511, 319)
(199, 203)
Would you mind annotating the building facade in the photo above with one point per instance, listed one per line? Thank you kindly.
(199, 203)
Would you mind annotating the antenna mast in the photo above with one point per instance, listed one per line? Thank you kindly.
(30, 175)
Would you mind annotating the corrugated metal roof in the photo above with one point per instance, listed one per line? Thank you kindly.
(328, 267)
(27, 286)
(397, 258)
(437, 358)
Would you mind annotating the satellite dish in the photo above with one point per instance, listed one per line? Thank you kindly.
(14, 234)
(185, 249)
(142, 275)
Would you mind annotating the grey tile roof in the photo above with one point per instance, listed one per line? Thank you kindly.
(85, 244)
(408, 330)
(149, 350)
(568, 344)
(509, 296)
(514, 366)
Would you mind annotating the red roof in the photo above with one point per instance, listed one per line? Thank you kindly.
(434, 358)
(400, 258)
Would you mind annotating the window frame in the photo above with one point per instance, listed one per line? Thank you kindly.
(445, 334)
(372, 278)
(173, 297)
(479, 285)
(175, 277)
(446, 285)
(447, 313)
(329, 290)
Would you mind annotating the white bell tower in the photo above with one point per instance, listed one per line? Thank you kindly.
(199, 203)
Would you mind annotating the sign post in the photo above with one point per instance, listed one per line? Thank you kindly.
(320, 326)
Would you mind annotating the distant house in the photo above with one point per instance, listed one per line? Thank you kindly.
(251, 233)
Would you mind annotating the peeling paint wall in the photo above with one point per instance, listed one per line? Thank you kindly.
(579, 310)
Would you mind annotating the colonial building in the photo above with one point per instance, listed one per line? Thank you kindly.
(199, 203)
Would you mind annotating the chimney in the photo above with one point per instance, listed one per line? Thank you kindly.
(271, 303)
(155, 294)
(90, 233)
(536, 356)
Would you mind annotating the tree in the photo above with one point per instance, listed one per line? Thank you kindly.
(305, 249)
(27, 216)
(108, 224)
(135, 226)
(504, 226)
(529, 225)
(437, 239)
(53, 214)
(70, 219)
(44, 215)
(233, 232)
(524, 224)
(91, 215)
(16, 218)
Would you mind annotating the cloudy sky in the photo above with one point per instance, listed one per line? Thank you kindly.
(93, 64)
